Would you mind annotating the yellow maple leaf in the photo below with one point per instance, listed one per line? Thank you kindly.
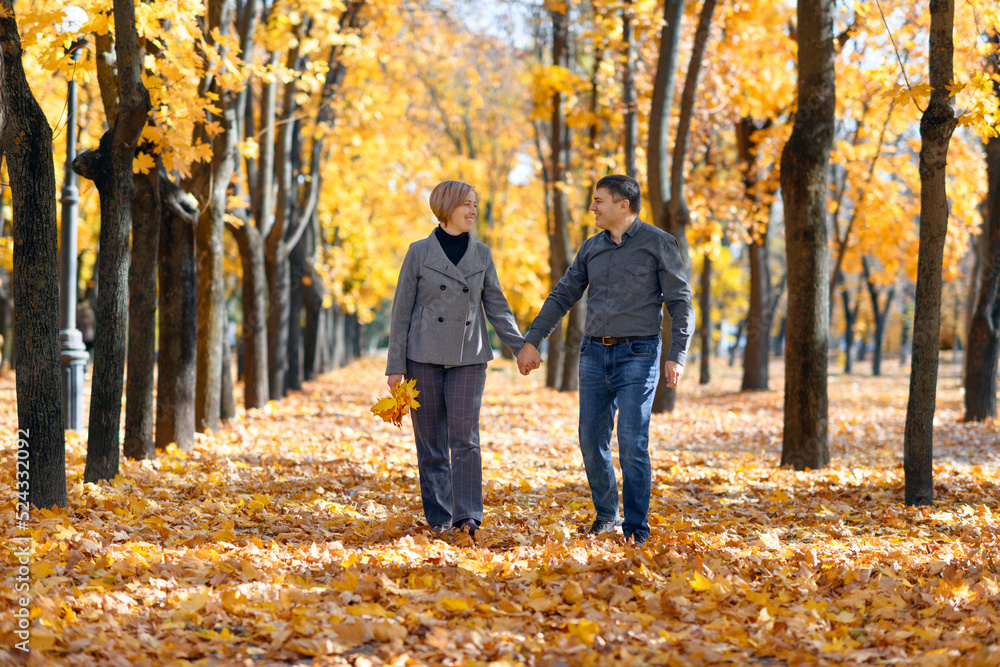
(457, 604)
(401, 400)
(142, 163)
(584, 629)
(700, 583)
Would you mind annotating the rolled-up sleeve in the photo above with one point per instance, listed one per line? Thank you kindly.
(677, 298)
(565, 295)
(402, 310)
(498, 310)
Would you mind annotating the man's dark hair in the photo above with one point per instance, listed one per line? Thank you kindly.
(622, 187)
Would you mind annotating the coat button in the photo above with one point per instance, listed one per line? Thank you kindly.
(440, 319)
(443, 287)
(468, 323)
(465, 289)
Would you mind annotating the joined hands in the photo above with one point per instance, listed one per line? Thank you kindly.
(528, 359)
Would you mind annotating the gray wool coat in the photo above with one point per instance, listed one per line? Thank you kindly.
(440, 310)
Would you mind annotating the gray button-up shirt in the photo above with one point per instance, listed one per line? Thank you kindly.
(628, 285)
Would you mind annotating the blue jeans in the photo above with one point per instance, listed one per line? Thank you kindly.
(618, 378)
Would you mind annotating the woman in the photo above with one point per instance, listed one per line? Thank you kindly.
(447, 289)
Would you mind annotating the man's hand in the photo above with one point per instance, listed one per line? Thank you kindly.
(528, 359)
(672, 372)
(393, 380)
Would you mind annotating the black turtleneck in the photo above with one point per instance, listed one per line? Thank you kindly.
(454, 246)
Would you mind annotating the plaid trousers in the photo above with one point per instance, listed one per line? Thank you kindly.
(446, 430)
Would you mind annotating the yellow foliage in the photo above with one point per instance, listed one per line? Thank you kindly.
(401, 399)
(297, 531)
(142, 163)
(6, 252)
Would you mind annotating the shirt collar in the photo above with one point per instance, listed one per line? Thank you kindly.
(634, 228)
(631, 231)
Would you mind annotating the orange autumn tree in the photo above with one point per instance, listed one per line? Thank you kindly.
(451, 102)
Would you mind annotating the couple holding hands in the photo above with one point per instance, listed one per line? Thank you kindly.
(447, 290)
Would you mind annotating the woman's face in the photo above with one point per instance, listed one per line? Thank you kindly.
(463, 216)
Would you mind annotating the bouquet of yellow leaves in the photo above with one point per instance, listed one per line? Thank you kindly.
(400, 400)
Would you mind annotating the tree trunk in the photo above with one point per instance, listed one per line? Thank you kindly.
(755, 358)
(212, 185)
(659, 116)
(279, 281)
(736, 342)
(6, 299)
(984, 328)
(881, 317)
(936, 127)
(312, 356)
(779, 338)
(276, 248)
(338, 333)
(670, 208)
(296, 262)
(850, 317)
(314, 292)
(26, 141)
(110, 167)
(880, 321)
(804, 171)
(705, 374)
(628, 88)
(176, 365)
(354, 336)
(254, 331)
(6, 318)
(575, 324)
(559, 257)
(324, 359)
(139, 410)
(227, 401)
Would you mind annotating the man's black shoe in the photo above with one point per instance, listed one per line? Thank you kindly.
(600, 527)
(636, 539)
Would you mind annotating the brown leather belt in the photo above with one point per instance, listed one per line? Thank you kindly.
(617, 340)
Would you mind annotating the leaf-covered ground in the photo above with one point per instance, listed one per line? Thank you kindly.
(295, 536)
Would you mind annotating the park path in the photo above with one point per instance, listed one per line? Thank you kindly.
(295, 534)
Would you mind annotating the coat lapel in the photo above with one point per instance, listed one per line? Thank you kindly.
(437, 260)
(472, 261)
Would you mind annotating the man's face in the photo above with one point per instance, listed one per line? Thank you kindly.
(607, 212)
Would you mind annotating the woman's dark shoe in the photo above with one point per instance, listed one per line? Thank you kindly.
(440, 530)
(468, 526)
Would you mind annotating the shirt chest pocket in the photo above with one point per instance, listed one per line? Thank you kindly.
(640, 278)
(641, 268)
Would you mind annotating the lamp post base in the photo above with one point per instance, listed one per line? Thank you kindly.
(73, 358)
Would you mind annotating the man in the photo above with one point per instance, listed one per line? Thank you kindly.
(629, 271)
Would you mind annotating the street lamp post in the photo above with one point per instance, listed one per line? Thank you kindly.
(73, 354)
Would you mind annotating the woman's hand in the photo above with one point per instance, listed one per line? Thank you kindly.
(393, 380)
(528, 359)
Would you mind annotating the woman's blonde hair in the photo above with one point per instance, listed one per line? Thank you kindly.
(446, 197)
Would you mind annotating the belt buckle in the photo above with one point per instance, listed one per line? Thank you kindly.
(607, 340)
